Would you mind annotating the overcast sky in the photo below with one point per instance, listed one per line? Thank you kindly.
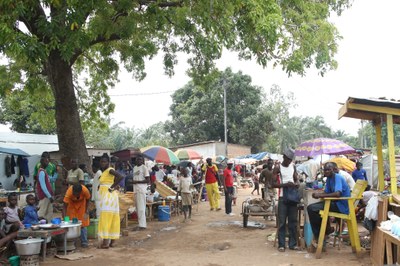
(368, 57)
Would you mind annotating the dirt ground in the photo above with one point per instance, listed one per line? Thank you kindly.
(210, 239)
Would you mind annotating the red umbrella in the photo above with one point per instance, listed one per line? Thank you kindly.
(187, 154)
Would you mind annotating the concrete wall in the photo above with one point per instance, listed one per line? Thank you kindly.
(211, 149)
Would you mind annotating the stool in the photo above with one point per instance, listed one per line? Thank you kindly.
(149, 207)
(299, 232)
(300, 227)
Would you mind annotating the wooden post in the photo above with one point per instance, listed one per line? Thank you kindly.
(392, 161)
(381, 177)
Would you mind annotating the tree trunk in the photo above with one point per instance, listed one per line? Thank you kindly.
(69, 130)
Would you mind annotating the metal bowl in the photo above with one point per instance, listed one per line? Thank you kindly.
(30, 246)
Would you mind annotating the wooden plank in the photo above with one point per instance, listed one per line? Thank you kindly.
(377, 247)
(164, 190)
(389, 255)
(396, 198)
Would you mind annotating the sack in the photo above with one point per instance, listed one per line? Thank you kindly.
(371, 211)
(369, 224)
(291, 195)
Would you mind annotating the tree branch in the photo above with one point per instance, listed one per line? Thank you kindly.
(162, 4)
(99, 39)
(30, 22)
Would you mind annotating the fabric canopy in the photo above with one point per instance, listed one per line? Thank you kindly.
(13, 151)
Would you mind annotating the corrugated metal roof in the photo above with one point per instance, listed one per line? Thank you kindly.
(30, 143)
(373, 109)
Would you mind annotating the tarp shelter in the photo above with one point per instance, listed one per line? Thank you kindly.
(14, 151)
(378, 111)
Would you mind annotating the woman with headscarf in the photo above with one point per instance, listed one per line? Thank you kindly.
(109, 221)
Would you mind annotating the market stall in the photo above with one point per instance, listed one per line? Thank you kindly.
(379, 111)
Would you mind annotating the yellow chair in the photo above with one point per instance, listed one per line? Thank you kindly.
(350, 218)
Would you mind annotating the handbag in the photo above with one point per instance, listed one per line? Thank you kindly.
(291, 195)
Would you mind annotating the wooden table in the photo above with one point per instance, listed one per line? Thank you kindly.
(389, 241)
(44, 234)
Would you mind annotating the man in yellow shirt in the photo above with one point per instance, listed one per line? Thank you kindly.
(210, 175)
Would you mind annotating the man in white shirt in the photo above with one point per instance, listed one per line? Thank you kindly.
(310, 168)
(141, 178)
(159, 173)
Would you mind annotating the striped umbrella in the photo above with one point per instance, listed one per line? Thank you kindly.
(323, 146)
(187, 154)
(160, 154)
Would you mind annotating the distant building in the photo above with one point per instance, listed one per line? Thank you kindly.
(215, 148)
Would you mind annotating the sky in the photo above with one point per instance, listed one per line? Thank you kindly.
(368, 56)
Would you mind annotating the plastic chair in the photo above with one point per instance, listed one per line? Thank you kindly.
(350, 218)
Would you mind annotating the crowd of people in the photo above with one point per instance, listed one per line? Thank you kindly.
(106, 179)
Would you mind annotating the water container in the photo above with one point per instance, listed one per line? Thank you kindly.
(163, 213)
(14, 260)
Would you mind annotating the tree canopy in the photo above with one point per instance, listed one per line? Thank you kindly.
(198, 112)
(75, 49)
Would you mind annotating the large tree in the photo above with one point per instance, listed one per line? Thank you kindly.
(198, 111)
(50, 44)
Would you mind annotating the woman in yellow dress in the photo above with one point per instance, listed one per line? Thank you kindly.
(109, 221)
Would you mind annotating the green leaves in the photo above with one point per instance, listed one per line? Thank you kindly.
(198, 115)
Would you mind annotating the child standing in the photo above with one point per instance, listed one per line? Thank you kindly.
(184, 189)
(13, 223)
(30, 211)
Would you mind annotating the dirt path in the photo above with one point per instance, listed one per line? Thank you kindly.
(211, 239)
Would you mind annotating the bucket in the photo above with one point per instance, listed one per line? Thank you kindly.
(163, 213)
(14, 260)
(92, 229)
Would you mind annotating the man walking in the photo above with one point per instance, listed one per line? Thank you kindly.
(228, 187)
(210, 173)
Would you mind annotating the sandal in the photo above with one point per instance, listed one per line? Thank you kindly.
(104, 247)
(281, 249)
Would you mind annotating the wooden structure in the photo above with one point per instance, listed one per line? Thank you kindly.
(350, 218)
(164, 190)
(378, 111)
(126, 201)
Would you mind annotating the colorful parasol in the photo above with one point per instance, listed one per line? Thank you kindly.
(344, 163)
(187, 154)
(323, 146)
(160, 154)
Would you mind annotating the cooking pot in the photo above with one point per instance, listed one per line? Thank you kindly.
(74, 230)
(29, 246)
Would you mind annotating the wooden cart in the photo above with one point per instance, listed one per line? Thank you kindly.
(251, 209)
